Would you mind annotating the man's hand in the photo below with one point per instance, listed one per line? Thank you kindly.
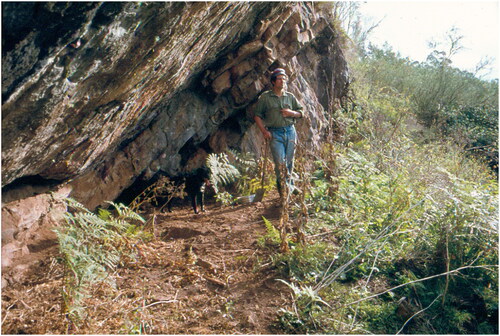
(267, 135)
(290, 113)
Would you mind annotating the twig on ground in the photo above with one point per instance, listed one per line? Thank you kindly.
(154, 304)
(235, 251)
(420, 311)
(215, 281)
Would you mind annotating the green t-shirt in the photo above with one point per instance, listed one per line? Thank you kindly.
(269, 108)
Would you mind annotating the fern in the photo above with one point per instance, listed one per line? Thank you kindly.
(125, 213)
(245, 162)
(222, 172)
(74, 204)
(92, 245)
(272, 236)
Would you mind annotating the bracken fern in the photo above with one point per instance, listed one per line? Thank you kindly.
(92, 245)
(222, 172)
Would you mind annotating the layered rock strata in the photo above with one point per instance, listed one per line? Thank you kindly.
(97, 95)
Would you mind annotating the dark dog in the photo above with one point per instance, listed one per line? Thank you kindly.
(194, 184)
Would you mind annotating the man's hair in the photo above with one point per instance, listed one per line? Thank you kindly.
(276, 73)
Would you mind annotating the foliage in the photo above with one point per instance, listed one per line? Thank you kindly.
(92, 245)
(239, 174)
(248, 181)
(475, 128)
(272, 236)
(224, 198)
(456, 223)
(222, 172)
(416, 216)
(307, 303)
(428, 209)
(453, 102)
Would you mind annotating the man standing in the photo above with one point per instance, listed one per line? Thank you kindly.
(275, 115)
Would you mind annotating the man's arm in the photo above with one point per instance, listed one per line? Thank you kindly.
(295, 112)
(263, 129)
(287, 113)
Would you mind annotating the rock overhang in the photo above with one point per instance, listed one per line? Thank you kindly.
(124, 90)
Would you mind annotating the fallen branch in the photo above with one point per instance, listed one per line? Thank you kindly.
(236, 251)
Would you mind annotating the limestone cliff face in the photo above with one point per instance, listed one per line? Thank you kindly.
(95, 95)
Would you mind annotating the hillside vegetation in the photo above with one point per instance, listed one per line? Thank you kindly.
(402, 206)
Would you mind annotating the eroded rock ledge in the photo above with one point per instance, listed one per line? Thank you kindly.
(95, 95)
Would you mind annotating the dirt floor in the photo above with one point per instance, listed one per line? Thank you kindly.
(204, 274)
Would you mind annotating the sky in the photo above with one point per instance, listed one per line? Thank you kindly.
(408, 26)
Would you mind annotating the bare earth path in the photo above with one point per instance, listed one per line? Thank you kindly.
(204, 274)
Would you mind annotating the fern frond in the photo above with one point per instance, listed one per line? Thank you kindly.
(244, 161)
(74, 204)
(222, 172)
(125, 213)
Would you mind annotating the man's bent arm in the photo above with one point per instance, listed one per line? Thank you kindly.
(291, 113)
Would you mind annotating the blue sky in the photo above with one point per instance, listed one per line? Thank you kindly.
(408, 26)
